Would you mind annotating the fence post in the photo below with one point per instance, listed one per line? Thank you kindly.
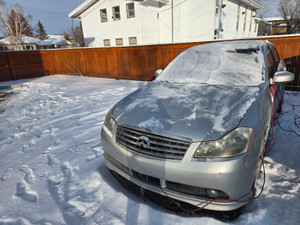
(115, 71)
(12, 67)
(82, 62)
(53, 63)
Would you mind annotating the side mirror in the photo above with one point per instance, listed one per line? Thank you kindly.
(157, 73)
(283, 77)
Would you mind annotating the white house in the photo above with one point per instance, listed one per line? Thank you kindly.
(142, 22)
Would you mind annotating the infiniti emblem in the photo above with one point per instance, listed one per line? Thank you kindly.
(143, 142)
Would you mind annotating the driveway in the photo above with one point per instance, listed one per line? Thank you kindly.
(52, 169)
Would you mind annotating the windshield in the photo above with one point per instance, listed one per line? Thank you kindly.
(235, 63)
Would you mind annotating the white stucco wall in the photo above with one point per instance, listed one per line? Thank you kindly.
(95, 31)
(229, 19)
(194, 20)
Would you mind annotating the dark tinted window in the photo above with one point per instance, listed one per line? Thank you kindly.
(275, 54)
(271, 64)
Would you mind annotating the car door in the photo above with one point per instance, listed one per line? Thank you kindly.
(273, 64)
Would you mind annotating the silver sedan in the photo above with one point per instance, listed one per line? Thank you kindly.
(197, 132)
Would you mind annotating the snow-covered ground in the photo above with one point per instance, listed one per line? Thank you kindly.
(52, 170)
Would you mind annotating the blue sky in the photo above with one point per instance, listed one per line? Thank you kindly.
(54, 13)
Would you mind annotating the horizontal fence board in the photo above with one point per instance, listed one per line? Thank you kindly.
(134, 62)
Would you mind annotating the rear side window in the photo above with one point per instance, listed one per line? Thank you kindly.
(272, 67)
(275, 55)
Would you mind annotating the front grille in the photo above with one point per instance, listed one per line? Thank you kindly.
(193, 190)
(146, 179)
(161, 147)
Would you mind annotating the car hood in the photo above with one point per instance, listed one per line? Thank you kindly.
(195, 112)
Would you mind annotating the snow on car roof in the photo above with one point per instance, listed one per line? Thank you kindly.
(235, 63)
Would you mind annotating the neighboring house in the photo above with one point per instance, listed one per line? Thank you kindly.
(55, 41)
(264, 28)
(142, 22)
(27, 43)
(30, 43)
(277, 25)
(4, 45)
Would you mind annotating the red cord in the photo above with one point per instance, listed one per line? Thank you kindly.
(263, 185)
(229, 200)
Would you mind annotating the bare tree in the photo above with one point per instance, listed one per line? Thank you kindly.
(290, 12)
(14, 24)
(75, 35)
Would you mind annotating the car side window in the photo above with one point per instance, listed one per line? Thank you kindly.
(279, 62)
(272, 67)
(275, 54)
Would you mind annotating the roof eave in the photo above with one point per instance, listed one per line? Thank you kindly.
(254, 4)
(82, 8)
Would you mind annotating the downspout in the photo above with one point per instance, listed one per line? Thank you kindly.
(220, 18)
(172, 3)
(158, 28)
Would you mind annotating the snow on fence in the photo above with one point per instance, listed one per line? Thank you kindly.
(136, 63)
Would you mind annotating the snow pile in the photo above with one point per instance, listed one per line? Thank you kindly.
(152, 123)
(52, 170)
(240, 63)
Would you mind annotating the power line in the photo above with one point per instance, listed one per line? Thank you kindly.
(173, 6)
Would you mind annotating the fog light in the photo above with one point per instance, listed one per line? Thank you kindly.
(213, 193)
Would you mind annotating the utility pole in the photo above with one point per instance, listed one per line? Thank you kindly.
(72, 25)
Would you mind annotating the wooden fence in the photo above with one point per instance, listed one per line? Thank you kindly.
(137, 63)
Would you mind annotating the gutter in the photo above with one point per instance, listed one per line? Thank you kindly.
(82, 8)
(253, 3)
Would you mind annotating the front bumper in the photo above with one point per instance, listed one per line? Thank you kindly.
(233, 176)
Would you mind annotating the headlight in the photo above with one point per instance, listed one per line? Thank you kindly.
(232, 144)
(109, 122)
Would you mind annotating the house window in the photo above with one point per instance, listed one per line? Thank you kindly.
(251, 20)
(245, 19)
(130, 10)
(132, 41)
(238, 18)
(116, 13)
(103, 15)
(255, 28)
(119, 41)
(106, 42)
